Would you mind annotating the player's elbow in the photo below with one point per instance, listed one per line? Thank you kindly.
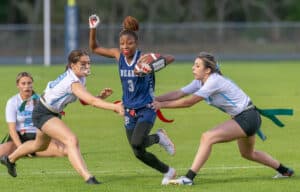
(93, 47)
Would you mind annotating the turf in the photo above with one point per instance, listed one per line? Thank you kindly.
(107, 153)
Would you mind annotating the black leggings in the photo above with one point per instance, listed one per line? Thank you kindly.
(139, 139)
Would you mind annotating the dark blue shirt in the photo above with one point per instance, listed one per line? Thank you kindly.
(137, 91)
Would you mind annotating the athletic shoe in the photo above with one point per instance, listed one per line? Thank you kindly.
(287, 174)
(183, 180)
(165, 142)
(11, 167)
(168, 176)
(92, 180)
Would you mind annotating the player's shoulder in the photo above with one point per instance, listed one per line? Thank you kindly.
(14, 100)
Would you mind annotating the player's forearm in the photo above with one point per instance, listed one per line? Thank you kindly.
(99, 103)
(15, 138)
(180, 103)
(92, 40)
(170, 96)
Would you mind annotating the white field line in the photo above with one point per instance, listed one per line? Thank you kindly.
(122, 171)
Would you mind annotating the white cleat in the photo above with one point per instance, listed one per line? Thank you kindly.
(171, 174)
(165, 141)
(183, 180)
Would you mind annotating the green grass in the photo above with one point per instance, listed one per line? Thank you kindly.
(108, 155)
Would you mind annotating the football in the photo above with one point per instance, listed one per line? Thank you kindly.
(143, 65)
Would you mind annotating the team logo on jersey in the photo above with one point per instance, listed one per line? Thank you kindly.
(127, 73)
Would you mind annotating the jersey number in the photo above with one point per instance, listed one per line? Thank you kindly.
(130, 86)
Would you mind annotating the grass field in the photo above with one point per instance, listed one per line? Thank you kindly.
(109, 157)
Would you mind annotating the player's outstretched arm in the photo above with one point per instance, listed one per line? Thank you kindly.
(80, 91)
(178, 103)
(173, 95)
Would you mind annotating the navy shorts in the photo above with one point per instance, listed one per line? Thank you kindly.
(249, 121)
(134, 116)
(40, 115)
(24, 137)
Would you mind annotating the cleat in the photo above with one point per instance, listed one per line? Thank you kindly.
(165, 142)
(168, 176)
(183, 180)
(287, 174)
(93, 181)
(11, 167)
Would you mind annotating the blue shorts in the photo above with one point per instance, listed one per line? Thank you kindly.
(134, 116)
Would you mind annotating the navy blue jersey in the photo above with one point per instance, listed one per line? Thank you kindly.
(137, 91)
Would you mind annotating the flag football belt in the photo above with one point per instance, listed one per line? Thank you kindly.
(158, 113)
(249, 107)
(271, 114)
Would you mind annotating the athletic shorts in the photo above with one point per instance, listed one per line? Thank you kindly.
(134, 116)
(40, 115)
(249, 121)
(24, 137)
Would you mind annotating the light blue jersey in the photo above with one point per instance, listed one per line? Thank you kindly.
(58, 93)
(220, 92)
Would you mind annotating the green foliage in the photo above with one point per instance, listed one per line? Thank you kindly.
(166, 11)
(107, 153)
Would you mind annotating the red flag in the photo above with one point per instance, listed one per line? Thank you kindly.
(162, 117)
(83, 102)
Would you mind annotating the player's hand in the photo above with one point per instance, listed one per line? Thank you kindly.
(94, 21)
(156, 105)
(142, 69)
(119, 108)
(106, 92)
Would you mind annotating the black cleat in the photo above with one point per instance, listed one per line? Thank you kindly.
(287, 174)
(11, 167)
(93, 181)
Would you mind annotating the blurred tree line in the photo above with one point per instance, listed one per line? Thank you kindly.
(158, 11)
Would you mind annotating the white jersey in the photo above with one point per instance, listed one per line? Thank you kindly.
(58, 93)
(22, 119)
(220, 92)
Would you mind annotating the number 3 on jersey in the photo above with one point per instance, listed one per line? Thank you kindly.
(130, 85)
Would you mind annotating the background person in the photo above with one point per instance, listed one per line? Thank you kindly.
(18, 115)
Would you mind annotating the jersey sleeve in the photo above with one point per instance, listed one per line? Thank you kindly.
(191, 88)
(210, 87)
(75, 79)
(10, 111)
